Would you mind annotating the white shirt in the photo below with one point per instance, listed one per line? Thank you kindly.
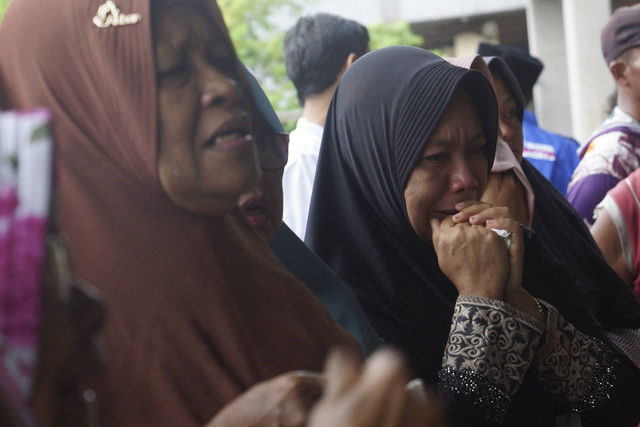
(297, 181)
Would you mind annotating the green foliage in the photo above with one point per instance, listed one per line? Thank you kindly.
(396, 33)
(258, 39)
(3, 7)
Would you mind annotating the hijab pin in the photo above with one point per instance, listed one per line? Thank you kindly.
(109, 15)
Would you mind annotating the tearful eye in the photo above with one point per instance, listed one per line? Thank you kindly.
(435, 158)
(177, 70)
(477, 149)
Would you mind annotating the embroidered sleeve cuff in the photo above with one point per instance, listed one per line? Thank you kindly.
(572, 366)
(492, 341)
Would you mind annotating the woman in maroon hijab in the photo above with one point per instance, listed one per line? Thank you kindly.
(151, 121)
(152, 151)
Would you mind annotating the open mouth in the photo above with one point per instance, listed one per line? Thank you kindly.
(256, 210)
(233, 134)
(229, 141)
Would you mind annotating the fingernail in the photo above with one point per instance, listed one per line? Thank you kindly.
(473, 217)
(457, 216)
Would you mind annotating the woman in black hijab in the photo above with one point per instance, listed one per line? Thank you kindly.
(564, 232)
(383, 134)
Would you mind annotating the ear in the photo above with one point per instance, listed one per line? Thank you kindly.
(350, 60)
(618, 69)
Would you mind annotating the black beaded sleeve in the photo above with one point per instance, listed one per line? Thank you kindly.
(491, 346)
(573, 367)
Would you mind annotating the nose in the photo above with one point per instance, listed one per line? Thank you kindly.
(507, 132)
(462, 178)
(217, 87)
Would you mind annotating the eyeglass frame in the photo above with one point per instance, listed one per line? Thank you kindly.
(283, 153)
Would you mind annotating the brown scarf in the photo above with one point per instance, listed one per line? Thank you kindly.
(199, 308)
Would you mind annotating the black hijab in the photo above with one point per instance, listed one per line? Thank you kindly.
(564, 233)
(385, 108)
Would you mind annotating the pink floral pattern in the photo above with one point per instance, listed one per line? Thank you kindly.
(25, 169)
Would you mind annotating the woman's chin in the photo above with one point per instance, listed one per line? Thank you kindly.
(267, 231)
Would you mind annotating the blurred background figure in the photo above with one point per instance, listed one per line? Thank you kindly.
(617, 229)
(318, 49)
(552, 154)
(560, 227)
(612, 151)
(263, 207)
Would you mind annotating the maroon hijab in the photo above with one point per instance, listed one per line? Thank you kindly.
(199, 308)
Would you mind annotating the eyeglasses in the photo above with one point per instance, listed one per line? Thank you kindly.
(273, 150)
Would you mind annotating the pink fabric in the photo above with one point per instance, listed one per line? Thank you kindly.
(504, 161)
(25, 167)
(21, 256)
(473, 62)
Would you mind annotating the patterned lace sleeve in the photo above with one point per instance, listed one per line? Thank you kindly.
(573, 367)
(491, 346)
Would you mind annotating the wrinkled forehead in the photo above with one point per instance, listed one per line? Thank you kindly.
(181, 25)
(176, 30)
(430, 96)
(174, 23)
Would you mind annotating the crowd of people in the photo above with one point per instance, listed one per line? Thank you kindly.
(429, 274)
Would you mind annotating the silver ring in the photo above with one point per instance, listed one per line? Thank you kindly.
(506, 235)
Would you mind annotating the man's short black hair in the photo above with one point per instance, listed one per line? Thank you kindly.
(316, 48)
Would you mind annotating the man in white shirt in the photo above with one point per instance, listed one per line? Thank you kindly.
(318, 49)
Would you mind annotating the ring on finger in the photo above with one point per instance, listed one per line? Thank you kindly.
(506, 235)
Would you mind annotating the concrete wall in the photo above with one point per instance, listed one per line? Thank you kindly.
(590, 82)
(572, 92)
(546, 42)
(372, 11)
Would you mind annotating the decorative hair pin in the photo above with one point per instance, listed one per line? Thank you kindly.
(109, 15)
